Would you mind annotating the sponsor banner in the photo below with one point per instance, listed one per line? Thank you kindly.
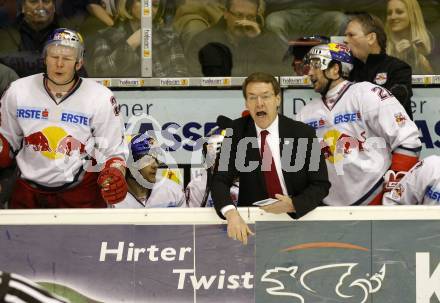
(292, 81)
(147, 8)
(146, 39)
(131, 82)
(127, 263)
(174, 82)
(293, 261)
(425, 105)
(347, 262)
(180, 118)
(216, 81)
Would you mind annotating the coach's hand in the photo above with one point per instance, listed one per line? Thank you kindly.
(284, 205)
(113, 185)
(237, 228)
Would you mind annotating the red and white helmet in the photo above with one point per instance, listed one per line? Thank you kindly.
(327, 53)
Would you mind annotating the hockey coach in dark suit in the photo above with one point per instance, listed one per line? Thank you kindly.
(273, 157)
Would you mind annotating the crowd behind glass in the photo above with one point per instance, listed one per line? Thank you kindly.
(208, 37)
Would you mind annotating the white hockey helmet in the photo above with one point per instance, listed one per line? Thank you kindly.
(329, 52)
(66, 37)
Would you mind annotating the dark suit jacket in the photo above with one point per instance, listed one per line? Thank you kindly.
(397, 74)
(307, 187)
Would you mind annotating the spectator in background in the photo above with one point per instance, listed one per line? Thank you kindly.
(408, 38)
(290, 19)
(299, 48)
(77, 14)
(194, 16)
(7, 75)
(420, 186)
(8, 9)
(253, 48)
(116, 51)
(23, 42)
(365, 35)
(216, 60)
(144, 190)
(365, 133)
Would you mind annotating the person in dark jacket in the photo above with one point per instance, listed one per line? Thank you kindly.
(253, 48)
(116, 51)
(273, 157)
(365, 35)
(23, 42)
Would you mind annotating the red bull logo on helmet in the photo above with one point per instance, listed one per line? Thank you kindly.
(336, 145)
(53, 142)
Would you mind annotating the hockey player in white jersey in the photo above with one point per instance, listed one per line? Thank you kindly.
(198, 190)
(145, 190)
(421, 185)
(64, 132)
(364, 131)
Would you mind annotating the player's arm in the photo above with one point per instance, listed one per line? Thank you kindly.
(221, 187)
(387, 117)
(410, 189)
(112, 151)
(10, 132)
(225, 175)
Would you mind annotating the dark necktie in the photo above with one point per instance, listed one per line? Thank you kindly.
(273, 185)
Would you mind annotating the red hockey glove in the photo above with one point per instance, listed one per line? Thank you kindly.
(113, 185)
(5, 152)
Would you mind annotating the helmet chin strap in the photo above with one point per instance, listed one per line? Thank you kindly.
(75, 76)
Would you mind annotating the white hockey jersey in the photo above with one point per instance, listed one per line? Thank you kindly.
(358, 132)
(421, 185)
(195, 191)
(53, 141)
(165, 193)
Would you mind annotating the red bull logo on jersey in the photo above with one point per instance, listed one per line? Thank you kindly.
(32, 113)
(53, 142)
(397, 191)
(336, 145)
(400, 119)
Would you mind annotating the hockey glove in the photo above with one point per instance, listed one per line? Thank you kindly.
(113, 185)
(5, 152)
(400, 165)
(391, 179)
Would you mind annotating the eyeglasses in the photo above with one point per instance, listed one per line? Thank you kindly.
(264, 98)
(243, 16)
